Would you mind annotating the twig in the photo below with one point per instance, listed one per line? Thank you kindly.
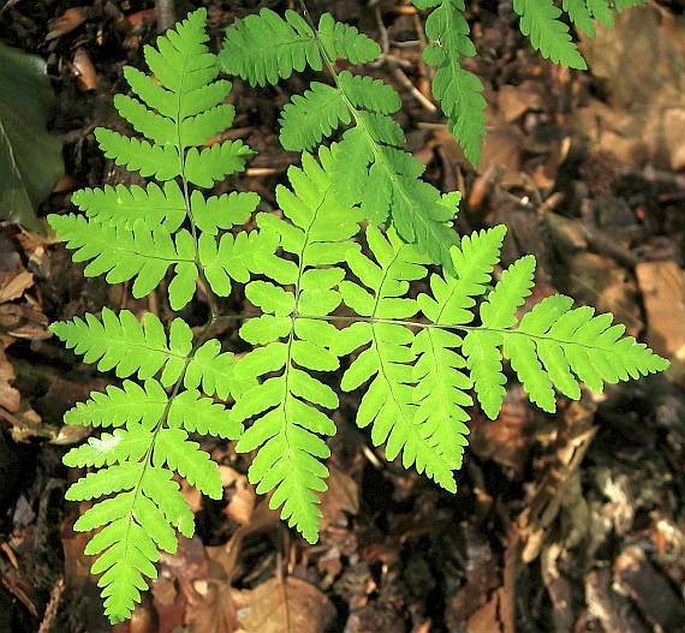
(165, 13)
(401, 76)
(53, 606)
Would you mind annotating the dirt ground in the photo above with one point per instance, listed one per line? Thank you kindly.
(567, 523)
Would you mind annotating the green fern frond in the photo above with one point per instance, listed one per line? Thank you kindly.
(547, 33)
(266, 47)
(372, 170)
(135, 233)
(580, 15)
(123, 206)
(385, 180)
(440, 375)
(415, 359)
(136, 525)
(173, 448)
(237, 257)
(290, 341)
(583, 12)
(127, 405)
(222, 212)
(212, 369)
(129, 346)
(162, 162)
(388, 404)
(196, 414)
(554, 341)
(141, 254)
(204, 168)
(458, 90)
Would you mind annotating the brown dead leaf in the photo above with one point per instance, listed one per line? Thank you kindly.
(341, 497)
(663, 291)
(71, 19)
(639, 62)
(10, 398)
(506, 439)
(281, 606)
(515, 101)
(23, 321)
(598, 280)
(243, 497)
(83, 68)
(216, 612)
(13, 284)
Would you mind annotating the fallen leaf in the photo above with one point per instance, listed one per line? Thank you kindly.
(30, 157)
(277, 606)
(639, 62)
(505, 440)
(82, 67)
(14, 284)
(71, 19)
(341, 498)
(242, 495)
(663, 291)
(515, 101)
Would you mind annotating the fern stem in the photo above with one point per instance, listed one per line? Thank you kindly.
(338, 318)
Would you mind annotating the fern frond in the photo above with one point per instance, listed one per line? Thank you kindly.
(481, 348)
(458, 90)
(222, 212)
(119, 406)
(212, 369)
(141, 254)
(583, 12)
(129, 346)
(237, 257)
(201, 415)
(266, 47)
(110, 448)
(372, 171)
(554, 341)
(384, 180)
(547, 33)
(291, 342)
(313, 116)
(123, 206)
(161, 161)
(135, 469)
(203, 168)
(440, 371)
(137, 525)
(388, 404)
(580, 15)
(173, 448)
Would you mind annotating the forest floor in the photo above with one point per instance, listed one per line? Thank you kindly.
(571, 522)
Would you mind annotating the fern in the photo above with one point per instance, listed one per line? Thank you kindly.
(142, 234)
(416, 359)
(293, 340)
(458, 90)
(372, 169)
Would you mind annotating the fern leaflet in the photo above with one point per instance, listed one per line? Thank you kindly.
(372, 169)
(547, 33)
(458, 90)
(291, 340)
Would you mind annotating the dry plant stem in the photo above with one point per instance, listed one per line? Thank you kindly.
(53, 606)
(165, 13)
